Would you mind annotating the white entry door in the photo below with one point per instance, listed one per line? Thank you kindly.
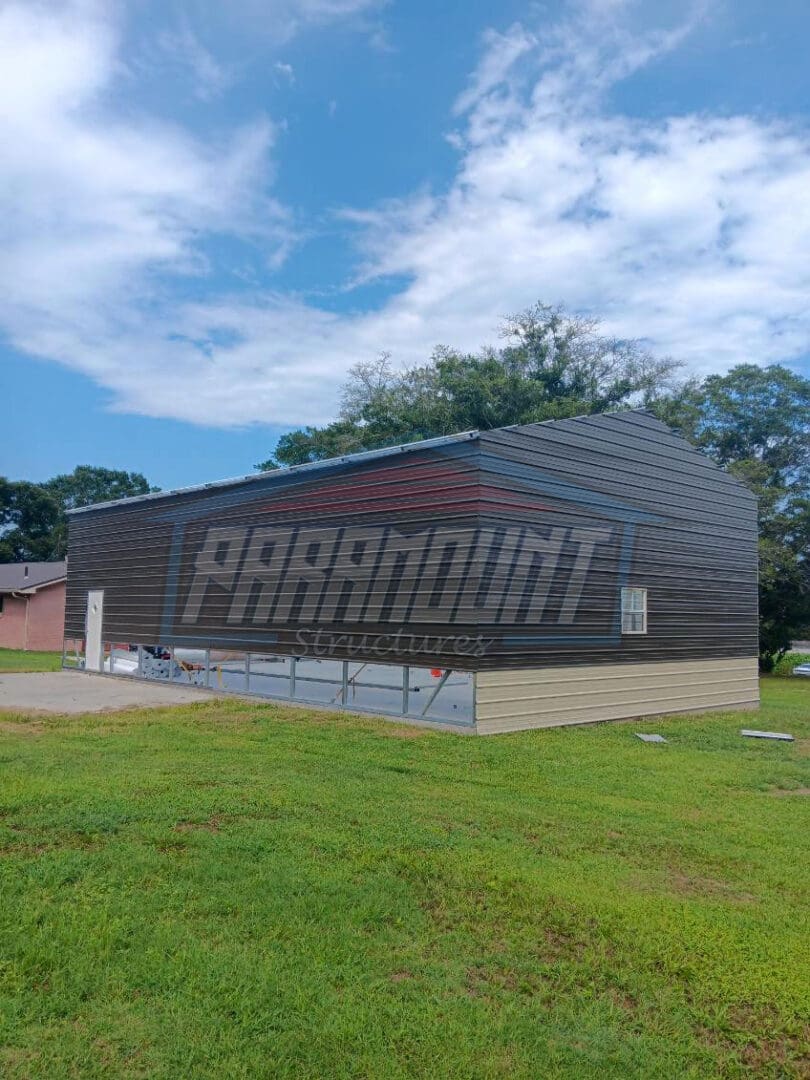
(95, 617)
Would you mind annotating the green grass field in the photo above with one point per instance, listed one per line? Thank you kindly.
(242, 890)
(19, 660)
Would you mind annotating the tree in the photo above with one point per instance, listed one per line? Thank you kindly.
(89, 484)
(784, 572)
(33, 524)
(751, 414)
(755, 422)
(29, 517)
(86, 485)
(315, 444)
(551, 365)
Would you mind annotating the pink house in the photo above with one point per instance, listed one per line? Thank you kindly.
(32, 605)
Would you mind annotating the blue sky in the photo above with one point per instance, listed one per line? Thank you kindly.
(211, 211)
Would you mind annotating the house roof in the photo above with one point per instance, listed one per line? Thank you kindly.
(30, 576)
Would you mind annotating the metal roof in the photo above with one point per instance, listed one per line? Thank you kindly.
(30, 576)
(366, 455)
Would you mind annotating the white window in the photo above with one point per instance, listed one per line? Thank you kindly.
(634, 611)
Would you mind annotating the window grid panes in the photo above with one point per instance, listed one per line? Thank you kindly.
(634, 611)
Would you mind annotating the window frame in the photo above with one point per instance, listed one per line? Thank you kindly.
(629, 610)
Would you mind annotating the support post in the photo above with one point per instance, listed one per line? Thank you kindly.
(435, 693)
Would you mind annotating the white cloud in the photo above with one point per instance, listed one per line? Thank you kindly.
(285, 70)
(501, 53)
(692, 232)
(97, 211)
(185, 49)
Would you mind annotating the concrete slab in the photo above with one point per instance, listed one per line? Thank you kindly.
(780, 735)
(79, 692)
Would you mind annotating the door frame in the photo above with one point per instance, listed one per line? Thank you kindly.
(94, 631)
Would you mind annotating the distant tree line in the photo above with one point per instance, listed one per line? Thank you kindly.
(33, 522)
(754, 422)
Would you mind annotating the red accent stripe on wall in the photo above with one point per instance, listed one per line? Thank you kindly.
(436, 500)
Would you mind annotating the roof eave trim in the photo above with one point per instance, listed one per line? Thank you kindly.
(29, 590)
(367, 455)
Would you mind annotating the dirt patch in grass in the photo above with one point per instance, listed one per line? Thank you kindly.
(699, 885)
(496, 980)
(22, 727)
(213, 825)
(22, 848)
(696, 886)
(791, 791)
(172, 847)
(34, 846)
(481, 981)
(622, 1000)
(758, 1038)
(18, 1059)
(557, 944)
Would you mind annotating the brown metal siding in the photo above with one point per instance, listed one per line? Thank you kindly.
(507, 550)
(127, 550)
(696, 553)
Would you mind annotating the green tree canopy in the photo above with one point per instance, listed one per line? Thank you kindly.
(89, 484)
(29, 518)
(755, 414)
(755, 421)
(32, 516)
(551, 365)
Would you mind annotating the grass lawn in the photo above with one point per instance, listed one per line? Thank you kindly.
(20, 660)
(241, 890)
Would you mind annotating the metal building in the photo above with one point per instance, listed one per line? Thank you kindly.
(543, 574)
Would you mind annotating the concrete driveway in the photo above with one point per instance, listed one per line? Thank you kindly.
(79, 692)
